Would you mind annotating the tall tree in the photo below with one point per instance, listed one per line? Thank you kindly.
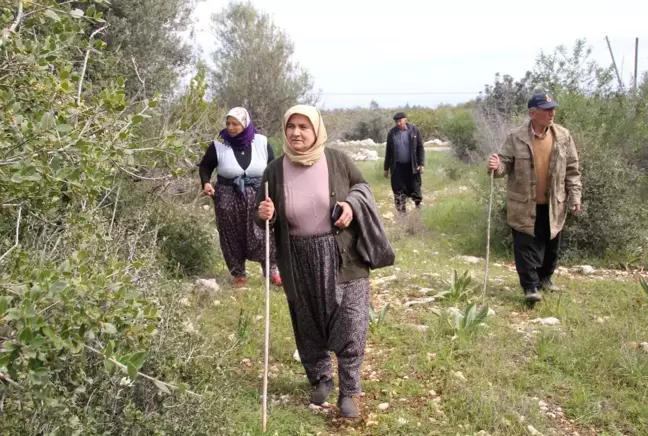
(254, 66)
(144, 39)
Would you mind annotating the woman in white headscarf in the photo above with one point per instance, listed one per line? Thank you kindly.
(314, 195)
(239, 160)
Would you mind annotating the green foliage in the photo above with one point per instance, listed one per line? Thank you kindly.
(644, 285)
(276, 142)
(49, 312)
(56, 151)
(468, 321)
(143, 44)
(185, 242)
(78, 279)
(253, 66)
(458, 287)
(460, 129)
(428, 122)
(243, 328)
(377, 319)
(373, 124)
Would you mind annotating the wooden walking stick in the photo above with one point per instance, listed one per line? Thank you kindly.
(490, 207)
(267, 318)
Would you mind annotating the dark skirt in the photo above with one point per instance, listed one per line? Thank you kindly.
(327, 315)
(240, 238)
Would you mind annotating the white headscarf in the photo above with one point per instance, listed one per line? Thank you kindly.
(241, 115)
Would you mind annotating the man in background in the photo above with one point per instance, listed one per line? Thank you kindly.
(405, 160)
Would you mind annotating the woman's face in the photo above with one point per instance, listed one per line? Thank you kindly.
(233, 126)
(300, 132)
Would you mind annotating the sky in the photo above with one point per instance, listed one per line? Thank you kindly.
(426, 52)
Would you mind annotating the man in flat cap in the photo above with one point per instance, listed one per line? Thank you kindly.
(544, 180)
(405, 160)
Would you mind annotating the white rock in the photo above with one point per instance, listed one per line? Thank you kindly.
(454, 311)
(401, 421)
(546, 321)
(533, 431)
(208, 285)
(206, 207)
(383, 406)
(644, 346)
(491, 312)
(459, 376)
(188, 327)
(364, 155)
(587, 270)
(421, 301)
(437, 143)
(471, 259)
(296, 356)
(383, 280)
(419, 327)
(184, 301)
(216, 303)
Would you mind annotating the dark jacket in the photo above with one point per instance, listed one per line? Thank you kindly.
(373, 245)
(343, 175)
(416, 148)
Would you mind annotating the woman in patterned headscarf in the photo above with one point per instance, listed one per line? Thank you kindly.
(320, 206)
(239, 162)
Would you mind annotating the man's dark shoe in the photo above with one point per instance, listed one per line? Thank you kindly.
(549, 286)
(348, 407)
(322, 391)
(532, 296)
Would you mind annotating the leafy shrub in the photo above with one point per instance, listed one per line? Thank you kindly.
(373, 124)
(187, 244)
(460, 130)
(427, 121)
(277, 145)
(458, 287)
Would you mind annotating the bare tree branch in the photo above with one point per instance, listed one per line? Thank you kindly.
(130, 173)
(148, 377)
(17, 235)
(14, 25)
(112, 221)
(142, 81)
(85, 61)
(5, 378)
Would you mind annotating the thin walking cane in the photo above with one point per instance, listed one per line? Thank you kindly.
(267, 318)
(490, 207)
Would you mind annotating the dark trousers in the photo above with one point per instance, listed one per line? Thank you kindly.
(536, 256)
(405, 184)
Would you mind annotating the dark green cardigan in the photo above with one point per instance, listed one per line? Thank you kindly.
(343, 174)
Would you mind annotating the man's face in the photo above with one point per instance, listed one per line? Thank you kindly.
(401, 123)
(543, 117)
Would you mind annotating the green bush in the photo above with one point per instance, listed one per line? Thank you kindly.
(372, 124)
(427, 121)
(276, 142)
(186, 242)
(460, 129)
